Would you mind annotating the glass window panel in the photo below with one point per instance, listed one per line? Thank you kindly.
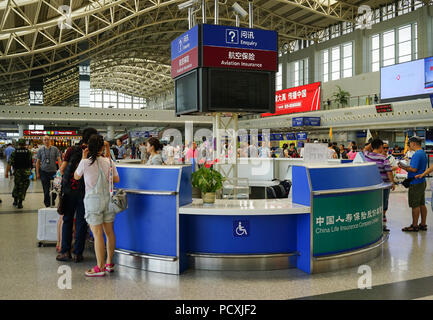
(98, 104)
(404, 58)
(335, 66)
(375, 42)
(375, 67)
(325, 57)
(388, 62)
(388, 38)
(347, 73)
(335, 75)
(335, 53)
(347, 50)
(404, 33)
(388, 52)
(347, 63)
(375, 56)
(405, 48)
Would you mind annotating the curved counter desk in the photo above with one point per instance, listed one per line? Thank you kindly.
(333, 221)
(243, 234)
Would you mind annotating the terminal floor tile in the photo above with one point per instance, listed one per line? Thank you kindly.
(403, 271)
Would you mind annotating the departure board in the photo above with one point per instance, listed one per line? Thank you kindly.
(236, 90)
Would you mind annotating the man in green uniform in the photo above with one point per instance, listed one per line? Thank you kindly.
(21, 161)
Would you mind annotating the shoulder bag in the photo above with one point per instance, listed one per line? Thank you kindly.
(118, 200)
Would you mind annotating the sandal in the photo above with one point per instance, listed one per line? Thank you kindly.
(422, 227)
(109, 267)
(411, 228)
(95, 272)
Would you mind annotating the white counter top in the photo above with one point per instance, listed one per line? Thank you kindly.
(245, 207)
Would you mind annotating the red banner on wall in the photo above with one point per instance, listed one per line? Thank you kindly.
(298, 99)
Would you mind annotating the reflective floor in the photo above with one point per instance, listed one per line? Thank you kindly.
(404, 271)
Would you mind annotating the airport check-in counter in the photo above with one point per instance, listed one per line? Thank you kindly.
(332, 221)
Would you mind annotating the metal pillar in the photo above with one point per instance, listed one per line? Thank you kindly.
(250, 14)
(216, 18)
(190, 17)
(203, 10)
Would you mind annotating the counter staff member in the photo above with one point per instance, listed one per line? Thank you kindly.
(121, 149)
(21, 161)
(46, 167)
(153, 146)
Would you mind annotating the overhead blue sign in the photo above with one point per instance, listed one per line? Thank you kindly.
(361, 134)
(241, 228)
(312, 121)
(184, 43)
(235, 37)
(306, 121)
(297, 122)
(431, 100)
(290, 136)
(301, 136)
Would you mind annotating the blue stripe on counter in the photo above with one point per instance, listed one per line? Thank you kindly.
(344, 177)
(157, 179)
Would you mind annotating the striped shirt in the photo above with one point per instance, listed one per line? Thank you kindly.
(382, 164)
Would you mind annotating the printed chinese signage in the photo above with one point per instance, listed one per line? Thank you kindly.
(346, 222)
(49, 133)
(299, 99)
(184, 53)
(240, 48)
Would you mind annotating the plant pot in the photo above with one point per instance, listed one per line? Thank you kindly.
(208, 197)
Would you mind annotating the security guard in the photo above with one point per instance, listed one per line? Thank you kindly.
(21, 161)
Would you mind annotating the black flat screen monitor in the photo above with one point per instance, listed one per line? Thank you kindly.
(186, 88)
(240, 90)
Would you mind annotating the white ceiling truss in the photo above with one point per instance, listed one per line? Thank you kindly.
(127, 41)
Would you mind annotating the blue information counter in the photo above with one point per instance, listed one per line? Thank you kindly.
(332, 221)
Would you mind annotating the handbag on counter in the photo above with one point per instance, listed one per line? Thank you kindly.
(118, 199)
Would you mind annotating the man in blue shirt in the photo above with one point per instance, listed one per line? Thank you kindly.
(416, 195)
(8, 152)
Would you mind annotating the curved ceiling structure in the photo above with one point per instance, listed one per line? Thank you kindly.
(128, 41)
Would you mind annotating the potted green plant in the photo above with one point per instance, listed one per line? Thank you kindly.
(208, 181)
(341, 97)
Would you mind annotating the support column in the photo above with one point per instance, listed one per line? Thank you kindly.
(20, 131)
(110, 133)
(84, 78)
(189, 135)
(36, 89)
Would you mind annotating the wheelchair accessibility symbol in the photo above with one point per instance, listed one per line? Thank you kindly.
(241, 228)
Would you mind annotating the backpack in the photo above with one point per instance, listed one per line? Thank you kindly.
(97, 199)
(287, 185)
(70, 186)
(279, 191)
